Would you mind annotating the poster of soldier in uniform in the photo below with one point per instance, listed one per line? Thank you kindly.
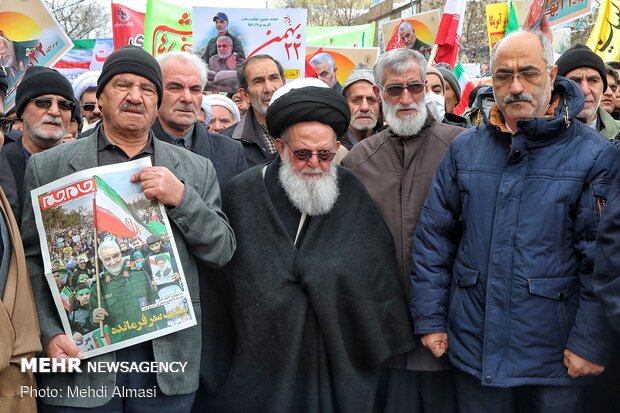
(109, 297)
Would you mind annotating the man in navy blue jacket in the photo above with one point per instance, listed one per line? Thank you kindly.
(503, 254)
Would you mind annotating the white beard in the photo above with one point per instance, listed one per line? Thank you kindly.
(312, 196)
(410, 125)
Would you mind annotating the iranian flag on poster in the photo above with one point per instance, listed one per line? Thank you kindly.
(113, 215)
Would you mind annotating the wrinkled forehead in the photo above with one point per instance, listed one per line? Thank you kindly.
(521, 52)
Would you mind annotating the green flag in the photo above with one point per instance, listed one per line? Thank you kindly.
(167, 27)
(513, 23)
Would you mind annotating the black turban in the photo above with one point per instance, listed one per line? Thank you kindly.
(308, 104)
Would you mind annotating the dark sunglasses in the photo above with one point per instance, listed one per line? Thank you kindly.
(303, 155)
(6, 125)
(88, 107)
(45, 103)
(397, 90)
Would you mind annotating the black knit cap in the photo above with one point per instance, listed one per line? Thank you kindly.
(135, 60)
(581, 56)
(39, 81)
(308, 104)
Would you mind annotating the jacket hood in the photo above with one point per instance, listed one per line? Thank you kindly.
(570, 102)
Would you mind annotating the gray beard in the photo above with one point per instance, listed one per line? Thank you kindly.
(43, 141)
(315, 196)
(408, 126)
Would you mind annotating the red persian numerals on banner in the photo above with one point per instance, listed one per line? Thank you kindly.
(171, 39)
(68, 193)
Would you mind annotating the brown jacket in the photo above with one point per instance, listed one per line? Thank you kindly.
(397, 172)
(19, 327)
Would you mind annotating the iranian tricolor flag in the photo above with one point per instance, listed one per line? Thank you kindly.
(466, 88)
(449, 32)
(114, 216)
(467, 85)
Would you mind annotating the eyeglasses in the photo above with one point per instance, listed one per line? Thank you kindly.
(397, 90)
(46, 103)
(6, 124)
(529, 76)
(303, 155)
(88, 107)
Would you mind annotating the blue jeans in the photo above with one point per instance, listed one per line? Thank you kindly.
(180, 403)
(473, 397)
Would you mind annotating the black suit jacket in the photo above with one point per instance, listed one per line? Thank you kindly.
(226, 154)
(14, 152)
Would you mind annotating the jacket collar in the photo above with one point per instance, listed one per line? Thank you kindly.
(87, 156)
(566, 102)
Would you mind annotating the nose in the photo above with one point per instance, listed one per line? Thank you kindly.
(134, 94)
(54, 110)
(186, 95)
(97, 111)
(406, 97)
(269, 86)
(516, 87)
(313, 161)
(364, 107)
(216, 126)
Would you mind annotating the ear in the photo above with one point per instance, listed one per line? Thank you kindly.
(244, 95)
(375, 89)
(280, 147)
(553, 72)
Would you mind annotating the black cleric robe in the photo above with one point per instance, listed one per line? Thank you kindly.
(302, 328)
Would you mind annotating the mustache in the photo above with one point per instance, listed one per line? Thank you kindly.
(130, 106)
(521, 97)
(186, 107)
(364, 114)
(56, 120)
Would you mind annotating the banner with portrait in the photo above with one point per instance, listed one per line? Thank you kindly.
(423, 26)
(280, 33)
(346, 58)
(110, 259)
(29, 36)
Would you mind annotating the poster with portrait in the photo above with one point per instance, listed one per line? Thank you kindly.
(346, 58)
(29, 36)
(280, 33)
(110, 259)
(558, 11)
(422, 27)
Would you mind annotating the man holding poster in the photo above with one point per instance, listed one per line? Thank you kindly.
(129, 92)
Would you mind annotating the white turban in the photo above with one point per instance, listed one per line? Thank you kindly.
(83, 82)
(206, 107)
(221, 100)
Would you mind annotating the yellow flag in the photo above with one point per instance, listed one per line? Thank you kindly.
(605, 36)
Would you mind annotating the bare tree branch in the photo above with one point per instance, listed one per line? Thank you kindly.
(88, 19)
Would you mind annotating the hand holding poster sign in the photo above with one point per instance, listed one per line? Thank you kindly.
(128, 302)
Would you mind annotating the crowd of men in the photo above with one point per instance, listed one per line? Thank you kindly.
(353, 247)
